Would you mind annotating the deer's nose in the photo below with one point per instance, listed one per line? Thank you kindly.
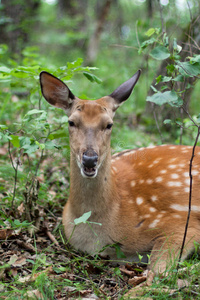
(89, 159)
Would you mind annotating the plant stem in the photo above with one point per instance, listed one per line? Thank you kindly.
(190, 195)
(15, 170)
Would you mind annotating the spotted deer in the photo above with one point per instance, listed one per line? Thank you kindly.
(140, 197)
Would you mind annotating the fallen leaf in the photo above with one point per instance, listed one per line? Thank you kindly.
(32, 295)
(21, 208)
(127, 272)
(14, 272)
(136, 280)
(182, 283)
(19, 262)
(5, 233)
(32, 278)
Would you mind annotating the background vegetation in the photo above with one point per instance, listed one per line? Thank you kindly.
(93, 46)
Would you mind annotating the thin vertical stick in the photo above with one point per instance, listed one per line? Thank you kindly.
(15, 170)
(190, 196)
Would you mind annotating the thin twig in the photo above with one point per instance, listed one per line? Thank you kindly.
(190, 196)
(15, 170)
(161, 17)
(137, 37)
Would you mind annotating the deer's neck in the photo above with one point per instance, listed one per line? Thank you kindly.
(92, 194)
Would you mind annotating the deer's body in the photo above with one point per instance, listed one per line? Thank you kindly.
(140, 197)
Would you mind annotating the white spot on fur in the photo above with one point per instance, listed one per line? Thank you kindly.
(133, 183)
(154, 198)
(141, 181)
(181, 165)
(195, 172)
(176, 216)
(187, 181)
(157, 161)
(149, 181)
(172, 147)
(187, 189)
(172, 166)
(186, 174)
(174, 176)
(159, 179)
(152, 209)
(159, 216)
(150, 166)
(163, 171)
(139, 200)
(147, 216)
(172, 160)
(174, 183)
(154, 223)
(179, 207)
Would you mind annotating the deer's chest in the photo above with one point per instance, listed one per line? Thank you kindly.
(90, 236)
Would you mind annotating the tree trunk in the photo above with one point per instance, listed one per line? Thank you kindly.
(93, 45)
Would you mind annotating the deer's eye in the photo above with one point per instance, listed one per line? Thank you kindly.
(109, 126)
(71, 124)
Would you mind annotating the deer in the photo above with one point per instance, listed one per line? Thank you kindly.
(138, 198)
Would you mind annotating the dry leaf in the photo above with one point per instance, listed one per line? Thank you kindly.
(137, 280)
(35, 294)
(5, 233)
(32, 278)
(182, 283)
(127, 272)
(21, 208)
(19, 262)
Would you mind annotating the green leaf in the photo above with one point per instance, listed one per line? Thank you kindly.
(179, 78)
(3, 127)
(35, 111)
(150, 32)
(75, 64)
(4, 69)
(169, 97)
(119, 252)
(28, 145)
(194, 59)
(187, 69)
(160, 53)
(163, 79)
(92, 77)
(41, 146)
(83, 218)
(167, 121)
(15, 141)
(147, 43)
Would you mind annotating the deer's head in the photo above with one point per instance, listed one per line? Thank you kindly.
(90, 121)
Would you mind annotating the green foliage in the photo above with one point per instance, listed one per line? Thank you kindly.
(31, 132)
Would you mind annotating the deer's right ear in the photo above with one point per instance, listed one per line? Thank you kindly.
(56, 92)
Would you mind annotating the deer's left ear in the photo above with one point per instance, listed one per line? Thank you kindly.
(123, 92)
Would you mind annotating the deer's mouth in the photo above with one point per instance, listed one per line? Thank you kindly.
(89, 163)
(89, 172)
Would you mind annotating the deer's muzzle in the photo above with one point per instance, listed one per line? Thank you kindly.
(89, 163)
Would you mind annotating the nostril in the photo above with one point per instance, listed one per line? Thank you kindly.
(90, 159)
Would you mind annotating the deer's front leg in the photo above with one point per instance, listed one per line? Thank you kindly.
(166, 251)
